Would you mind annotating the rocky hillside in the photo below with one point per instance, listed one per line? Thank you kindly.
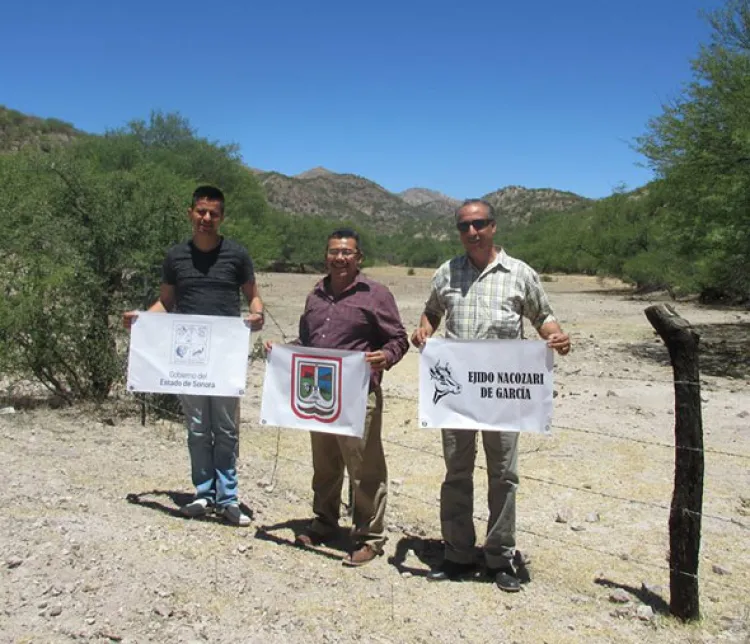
(346, 196)
(430, 199)
(18, 130)
(314, 173)
(515, 205)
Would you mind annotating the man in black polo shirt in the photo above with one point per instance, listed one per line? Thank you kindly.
(204, 276)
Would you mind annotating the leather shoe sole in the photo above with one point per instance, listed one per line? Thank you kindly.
(508, 582)
(308, 539)
(454, 572)
(362, 556)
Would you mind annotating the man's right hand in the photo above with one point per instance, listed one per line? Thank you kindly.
(420, 335)
(128, 318)
(268, 345)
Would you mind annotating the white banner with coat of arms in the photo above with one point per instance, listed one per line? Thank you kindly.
(500, 385)
(320, 390)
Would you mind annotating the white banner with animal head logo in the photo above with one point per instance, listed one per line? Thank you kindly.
(501, 385)
(200, 355)
(320, 390)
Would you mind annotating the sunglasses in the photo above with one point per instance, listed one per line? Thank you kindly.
(479, 224)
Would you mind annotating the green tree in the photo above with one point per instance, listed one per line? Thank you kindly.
(700, 146)
(90, 224)
(79, 237)
(169, 141)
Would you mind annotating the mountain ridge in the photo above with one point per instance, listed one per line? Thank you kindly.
(322, 192)
(351, 197)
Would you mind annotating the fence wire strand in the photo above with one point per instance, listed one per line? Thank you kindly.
(654, 443)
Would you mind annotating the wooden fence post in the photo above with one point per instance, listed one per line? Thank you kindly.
(687, 497)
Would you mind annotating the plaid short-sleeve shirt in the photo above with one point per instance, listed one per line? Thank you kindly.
(488, 304)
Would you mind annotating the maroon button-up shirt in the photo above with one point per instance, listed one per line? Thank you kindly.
(362, 318)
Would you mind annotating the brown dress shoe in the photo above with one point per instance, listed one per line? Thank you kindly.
(305, 540)
(363, 555)
(308, 539)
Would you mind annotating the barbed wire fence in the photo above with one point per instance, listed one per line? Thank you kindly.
(641, 562)
(258, 352)
(271, 478)
(275, 456)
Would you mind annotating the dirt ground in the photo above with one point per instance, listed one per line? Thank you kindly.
(93, 548)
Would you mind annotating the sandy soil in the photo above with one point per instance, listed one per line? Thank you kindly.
(93, 549)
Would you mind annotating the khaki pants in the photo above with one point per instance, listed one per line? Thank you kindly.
(457, 496)
(365, 462)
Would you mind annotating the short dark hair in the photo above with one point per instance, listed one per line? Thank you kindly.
(209, 193)
(345, 233)
(481, 202)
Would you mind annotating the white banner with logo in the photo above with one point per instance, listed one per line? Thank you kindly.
(204, 355)
(501, 385)
(320, 390)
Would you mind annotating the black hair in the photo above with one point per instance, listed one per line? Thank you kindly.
(345, 233)
(481, 202)
(209, 193)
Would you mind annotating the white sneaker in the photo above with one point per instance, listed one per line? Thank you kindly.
(232, 514)
(197, 508)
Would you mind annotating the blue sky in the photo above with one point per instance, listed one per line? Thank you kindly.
(461, 97)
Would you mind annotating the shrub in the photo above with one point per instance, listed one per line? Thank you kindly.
(91, 223)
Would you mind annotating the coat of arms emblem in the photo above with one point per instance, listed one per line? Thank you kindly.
(316, 387)
(190, 343)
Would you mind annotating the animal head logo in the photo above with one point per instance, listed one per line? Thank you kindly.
(444, 381)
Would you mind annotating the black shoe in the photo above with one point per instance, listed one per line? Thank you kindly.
(452, 571)
(506, 579)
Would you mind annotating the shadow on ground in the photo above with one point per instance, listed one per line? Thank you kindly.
(178, 499)
(330, 548)
(724, 350)
(428, 551)
(29, 402)
(430, 554)
(644, 595)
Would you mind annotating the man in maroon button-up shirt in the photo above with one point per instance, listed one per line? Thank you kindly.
(347, 310)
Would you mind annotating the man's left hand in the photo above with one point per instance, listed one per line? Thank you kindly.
(560, 342)
(376, 359)
(254, 321)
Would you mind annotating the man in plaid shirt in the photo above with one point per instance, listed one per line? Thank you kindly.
(484, 294)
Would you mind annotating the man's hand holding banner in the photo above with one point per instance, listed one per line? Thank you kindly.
(501, 385)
